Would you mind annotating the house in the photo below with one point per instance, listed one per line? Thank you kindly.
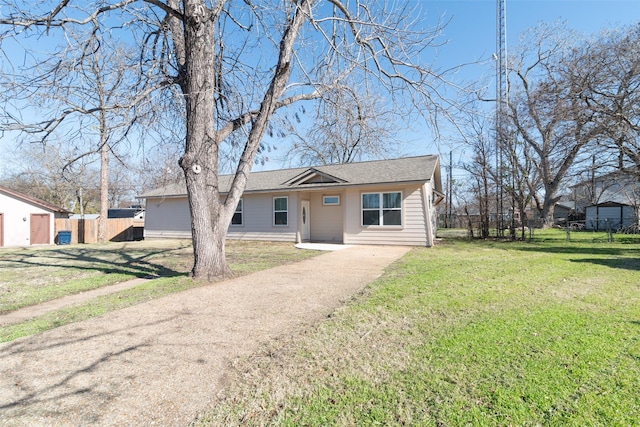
(375, 202)
(25, 220)
(609, 201)
(564, 212)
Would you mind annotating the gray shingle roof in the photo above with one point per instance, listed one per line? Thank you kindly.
(404, 170)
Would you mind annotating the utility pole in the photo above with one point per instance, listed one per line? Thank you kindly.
(501, 105)
(450, 192)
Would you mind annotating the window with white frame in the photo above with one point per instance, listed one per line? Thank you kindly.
(331, 200)
(280, 211)
(383, 209)
(237, 218)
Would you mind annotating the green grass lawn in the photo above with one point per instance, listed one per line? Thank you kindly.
(545, 332)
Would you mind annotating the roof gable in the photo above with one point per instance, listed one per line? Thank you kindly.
(32, 200)
(313, 176)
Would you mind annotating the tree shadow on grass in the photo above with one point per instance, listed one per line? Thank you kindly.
(100, 259)
(621, 257)
(579, 249)
(624, 263)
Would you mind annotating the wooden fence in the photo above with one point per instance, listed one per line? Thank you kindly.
(86, 230)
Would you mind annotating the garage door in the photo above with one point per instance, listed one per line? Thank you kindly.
(39, 229)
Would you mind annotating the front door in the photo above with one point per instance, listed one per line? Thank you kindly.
(306, 222)
(39, 229)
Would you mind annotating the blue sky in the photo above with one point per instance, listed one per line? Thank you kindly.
(471, 36)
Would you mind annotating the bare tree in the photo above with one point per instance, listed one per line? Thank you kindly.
(613, 95)
(39, 170)
(476, 135)
(548, 110)
(522, 180)
(158, 167)
(349, 125)
(236, 63)
(84, 91)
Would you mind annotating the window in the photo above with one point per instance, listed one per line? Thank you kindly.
(330, 200)
(280, 211)
(382, 208)
(237, 216)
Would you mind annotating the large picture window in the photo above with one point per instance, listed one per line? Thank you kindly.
(382, 208)
(280, 211)
(237, 218)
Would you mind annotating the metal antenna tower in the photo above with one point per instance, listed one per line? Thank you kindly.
(501, 105)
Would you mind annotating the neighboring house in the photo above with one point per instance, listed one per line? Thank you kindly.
(135, 213)
(25, 220)
(610, 201)
(376, 202)
(621, 186)
(564, 212)
(563, 209)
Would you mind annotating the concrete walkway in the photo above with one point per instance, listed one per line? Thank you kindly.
(32, 311)
(162, 362)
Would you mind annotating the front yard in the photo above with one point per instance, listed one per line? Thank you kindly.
(467, 333)
(479, 333)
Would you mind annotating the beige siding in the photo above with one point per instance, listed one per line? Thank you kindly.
(167, 217)
(170, 218)
(326, 221)
(258, 219)
(412, 231)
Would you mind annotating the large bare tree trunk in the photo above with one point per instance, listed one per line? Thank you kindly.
(200, 160)
(548, 206)
(209, 217)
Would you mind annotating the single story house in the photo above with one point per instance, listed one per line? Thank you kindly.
(25, 220)
(375, 202)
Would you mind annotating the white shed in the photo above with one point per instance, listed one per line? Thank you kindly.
(25, 220)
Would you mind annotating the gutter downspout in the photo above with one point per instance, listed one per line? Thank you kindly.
(427, 215)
